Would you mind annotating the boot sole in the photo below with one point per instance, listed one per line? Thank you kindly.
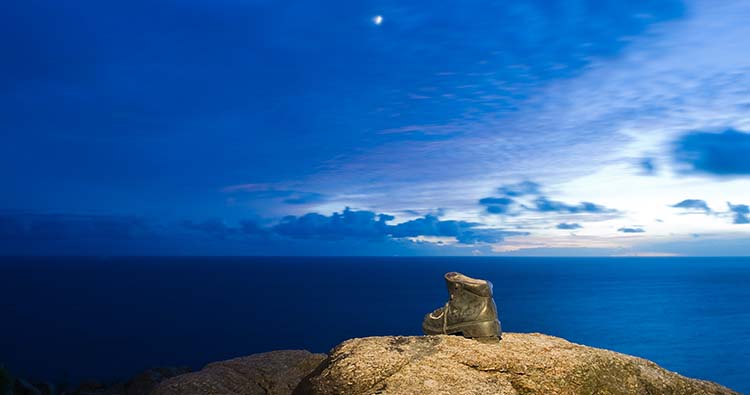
(484, 331)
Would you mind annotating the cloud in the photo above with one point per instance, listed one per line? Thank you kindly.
(347, 224)
(464, 232)
(430, 225)
(544, 205)
(268, 191)
(505, 204)
(474, 236)
(568, 226)
(693, 204)
(520, 189)
(492, 201)
(219, 229)
(213, 227)
(25, 233)
(741, 213)
(648, 166)
(497, 205)
(346, 232)
(631, 230)
(65, 227)
(304, 198)
(353, 224)
(250, 227)
(723, 154)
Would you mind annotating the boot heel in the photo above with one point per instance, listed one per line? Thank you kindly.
(485, 329)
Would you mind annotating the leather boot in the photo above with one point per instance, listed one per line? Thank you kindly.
(471, 311)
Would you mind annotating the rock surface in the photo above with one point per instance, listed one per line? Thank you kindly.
(271, 373)
(140, 384)
(144, 383)
(522, 364)
(23, 387)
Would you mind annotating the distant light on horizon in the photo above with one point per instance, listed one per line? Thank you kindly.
(377, 19)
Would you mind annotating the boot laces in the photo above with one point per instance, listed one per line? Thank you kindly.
(445, 318)
(442, 315)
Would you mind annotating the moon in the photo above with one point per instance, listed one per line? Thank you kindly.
(377, 19)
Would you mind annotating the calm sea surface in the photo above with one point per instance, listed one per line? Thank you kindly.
(112, 317)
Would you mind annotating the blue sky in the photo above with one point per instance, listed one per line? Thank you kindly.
(457, 128)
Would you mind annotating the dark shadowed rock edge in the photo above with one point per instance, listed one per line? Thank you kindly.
(271, 373)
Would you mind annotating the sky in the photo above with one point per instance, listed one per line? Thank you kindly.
(257, 127)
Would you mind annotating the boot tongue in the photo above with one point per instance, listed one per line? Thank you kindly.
(453, 289)
(451, 283)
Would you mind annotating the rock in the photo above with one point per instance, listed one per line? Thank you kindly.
(112, 389)
(89, 387)
(522, 364)
(144, 383)
(271, 373)
(45, 388)
(141, 384)
(23, 387)
(6, 381)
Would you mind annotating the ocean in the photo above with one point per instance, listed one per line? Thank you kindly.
(106, 318)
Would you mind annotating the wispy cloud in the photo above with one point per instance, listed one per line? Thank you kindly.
(262, 191)
(538, 203)
(568, 226)
(693, 204)
(648, 166)
(741, 213)
(631, 230)
(497, 205)
(545, 205)
(523, 188)
(679, 76)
